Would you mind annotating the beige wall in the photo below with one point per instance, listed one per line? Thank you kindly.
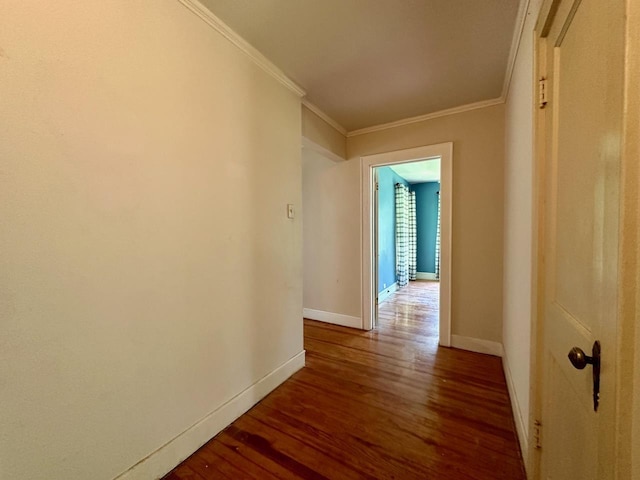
(321, 133)
(518, 222)
(148, 271)
(331, 233)
(478, 153)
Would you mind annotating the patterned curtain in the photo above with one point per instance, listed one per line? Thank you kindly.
(438, 239)
(413, 238)
(402, 235)
(406, 244)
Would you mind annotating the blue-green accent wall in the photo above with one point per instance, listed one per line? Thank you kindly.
(426, 224)
(387, 180)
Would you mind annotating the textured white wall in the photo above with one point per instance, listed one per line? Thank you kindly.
(148, 271)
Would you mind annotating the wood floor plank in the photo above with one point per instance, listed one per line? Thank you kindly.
(250, 457)
(184, 472)
(435, 418)
(248, 469)
(296, 456)
(384, 404)
(401, 434)
(361, 457)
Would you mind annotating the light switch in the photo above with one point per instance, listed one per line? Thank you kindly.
(290, 212)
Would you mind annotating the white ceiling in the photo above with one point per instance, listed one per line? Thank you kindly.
(370, 62)
(419, 172)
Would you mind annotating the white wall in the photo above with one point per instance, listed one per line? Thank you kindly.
(322, 134)
(145, 168)
(518, 222)
(331, 215)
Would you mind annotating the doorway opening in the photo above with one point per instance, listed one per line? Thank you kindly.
(408, 240)
(371, 276)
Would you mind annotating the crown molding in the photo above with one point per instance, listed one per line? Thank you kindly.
(315, 109)
(259, 59)
(513, 54)
(429, 116)
(515, 45)
(265, 64)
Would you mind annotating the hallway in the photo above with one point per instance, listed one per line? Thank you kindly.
(384, 404)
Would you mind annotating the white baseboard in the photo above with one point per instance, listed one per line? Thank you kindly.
(330, 317)
(426, 276)
(517, 413)
(477, 345)
(165, 458)
(382, 296)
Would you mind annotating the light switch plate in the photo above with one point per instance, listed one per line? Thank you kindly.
(290, 211)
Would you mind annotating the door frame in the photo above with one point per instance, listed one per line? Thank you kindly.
(537, 246)
(444, 151)
(628, 334)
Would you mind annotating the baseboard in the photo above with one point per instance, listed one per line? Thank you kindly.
(330, 317)
(477, 345)
(165, 458)
(426, 276)
(517, 413)
(383, 295)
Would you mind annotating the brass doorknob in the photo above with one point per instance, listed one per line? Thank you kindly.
(579, 359)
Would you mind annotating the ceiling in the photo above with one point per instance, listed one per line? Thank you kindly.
(419, 172)
(370, 62)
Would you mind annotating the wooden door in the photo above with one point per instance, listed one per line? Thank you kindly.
(582, 57)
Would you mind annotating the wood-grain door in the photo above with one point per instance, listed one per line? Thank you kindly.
(581, 54)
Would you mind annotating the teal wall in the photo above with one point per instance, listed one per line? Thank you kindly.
(426, 223)
(387, 179)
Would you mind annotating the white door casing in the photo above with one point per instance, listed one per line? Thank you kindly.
(443, 151)
(376, 248)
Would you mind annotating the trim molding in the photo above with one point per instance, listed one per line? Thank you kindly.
(517, 412)
(325, 152)
(426, 276)
(382, 296)
(161, 461)
(259, 59)
(269, 67)
(477, 345)
(334, 318)
(315, 109)
(368, 231)
(421, 118)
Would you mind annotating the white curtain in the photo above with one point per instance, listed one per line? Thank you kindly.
(406, 244)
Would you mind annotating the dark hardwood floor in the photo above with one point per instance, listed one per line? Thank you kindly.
(385, 404)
